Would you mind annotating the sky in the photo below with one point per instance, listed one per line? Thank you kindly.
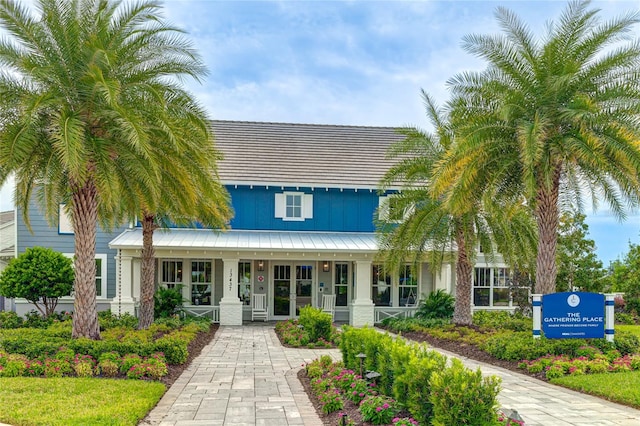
(353, 63)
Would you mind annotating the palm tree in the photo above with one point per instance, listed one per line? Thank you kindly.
(427, 227)
(560, 115)
(201, 198)
(78, 96)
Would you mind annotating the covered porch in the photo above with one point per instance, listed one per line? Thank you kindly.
(218, 272)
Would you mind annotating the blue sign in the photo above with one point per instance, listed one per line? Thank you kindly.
(573, 315)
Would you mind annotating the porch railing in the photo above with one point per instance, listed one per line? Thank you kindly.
(210, 312)
(383, 312)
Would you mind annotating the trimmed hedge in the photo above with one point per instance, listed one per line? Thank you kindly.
(411, 374)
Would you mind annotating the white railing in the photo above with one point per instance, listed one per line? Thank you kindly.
(383, 312)
(211, 312)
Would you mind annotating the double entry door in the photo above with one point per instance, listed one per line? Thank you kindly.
(292, 289)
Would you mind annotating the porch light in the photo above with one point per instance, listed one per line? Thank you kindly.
(325, 266)
(260, 265)
(361, 357)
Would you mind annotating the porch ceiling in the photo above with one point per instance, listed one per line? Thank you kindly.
(240, 240)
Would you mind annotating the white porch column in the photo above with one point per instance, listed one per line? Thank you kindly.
(362, 308)
(230, 305)
(123, 301)
(444, 280)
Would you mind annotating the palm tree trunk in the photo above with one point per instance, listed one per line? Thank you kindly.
(464, 269)
(147, 273)
(547, 217)
(85, 217)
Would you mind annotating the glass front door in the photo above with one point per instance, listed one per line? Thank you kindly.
(290, 293)
(304, 283)
(282, 290)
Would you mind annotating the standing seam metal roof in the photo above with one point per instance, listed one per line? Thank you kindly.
(250, 240)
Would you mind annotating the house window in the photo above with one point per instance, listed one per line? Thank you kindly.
(408, 287)
(491, 286)
(341, 283)
(101, 274)
(380, 286)
(294, 206)
(171, 273)
(64, 221)
(391, 211)
(244, 282)
(200, 282)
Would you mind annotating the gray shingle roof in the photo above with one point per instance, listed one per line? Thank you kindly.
(284, 154)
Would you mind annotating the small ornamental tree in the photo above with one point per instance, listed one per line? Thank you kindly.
(39, 275)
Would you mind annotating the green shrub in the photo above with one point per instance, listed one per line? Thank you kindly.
(331, 401)
(378, 409)
(316, 323)
(438, 304)
(168, 302)
(10, 320)
(13, 366)
(461, 396)
(173, 347)
(108, 368)
(414, 383)
(129, 361)
(502, 320)
(40, 275)
(108, 320)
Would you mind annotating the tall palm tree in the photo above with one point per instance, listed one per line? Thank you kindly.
(78, 97)
(560, 113)
(427, 227)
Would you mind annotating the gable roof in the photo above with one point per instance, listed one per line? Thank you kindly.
(314, 155)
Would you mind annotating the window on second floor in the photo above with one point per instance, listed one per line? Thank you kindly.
(294, 206)
(389, 211)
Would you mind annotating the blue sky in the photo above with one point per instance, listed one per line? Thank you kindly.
(355, 63)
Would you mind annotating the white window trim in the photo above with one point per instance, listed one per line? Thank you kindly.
(306, 206)
(383, 209)
(65, 225)
(103, 275)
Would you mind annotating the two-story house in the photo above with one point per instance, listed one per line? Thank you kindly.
(304, 197)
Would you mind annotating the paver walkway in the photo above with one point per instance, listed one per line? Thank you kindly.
(245, 377)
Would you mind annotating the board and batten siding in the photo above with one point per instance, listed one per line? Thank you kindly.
(334, 210)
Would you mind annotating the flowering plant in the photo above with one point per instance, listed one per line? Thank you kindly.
(377, 409)
(404, 421)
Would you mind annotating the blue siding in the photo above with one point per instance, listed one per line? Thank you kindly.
(47, 236)
(333, 210)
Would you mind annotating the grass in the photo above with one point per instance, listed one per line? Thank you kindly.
(618, 387)
(29, 401)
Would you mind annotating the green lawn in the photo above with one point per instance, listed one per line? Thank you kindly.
(618, 387)
(75, 401)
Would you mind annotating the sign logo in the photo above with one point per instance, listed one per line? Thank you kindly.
(573, 300)
(573, 315)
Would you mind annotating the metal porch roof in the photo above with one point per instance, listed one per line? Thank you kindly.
(250, 240)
